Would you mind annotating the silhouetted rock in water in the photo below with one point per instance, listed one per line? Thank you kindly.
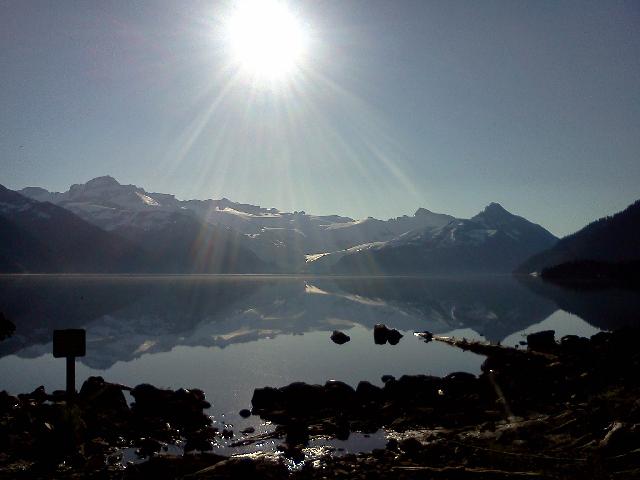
(544, 341)
(7, 327)
(181, 408)
(386, 378)
(102, 395)
(340, 337)
(245, 413)
(426, 336)
(382, 334)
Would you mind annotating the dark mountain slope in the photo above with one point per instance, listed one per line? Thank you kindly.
(610, 239)
(42, 237)
(494, 241)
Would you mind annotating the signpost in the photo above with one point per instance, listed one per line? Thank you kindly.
(70, 343)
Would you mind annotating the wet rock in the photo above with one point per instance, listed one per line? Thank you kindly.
(382, 334)
(245, 413)
(38, 396)
(412, 388)
(425, 335)
(7, 402)
(183, 409)
(296, 433)
(267, 398)
(542, 341)
(340, 337)
(410, 446)
(248, 430)
(380, 331)
(574, 344)
(460, 383)
(394, 336)
(300, 396)
(202, 440)
(366, 392)
(339, 394)
(148, 446)
(103, 395)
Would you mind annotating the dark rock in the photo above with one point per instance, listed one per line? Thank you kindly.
(8, 402)
(183, 408)
(410, 388)
(460, 382)
(340, 337)
(575, 344)
(392, 444)
(393, 336)
(248, 430)
(426, 336)
(201, 440)
(382, 334)
(410, 446)
(103, 395)
(386, 378)
(296, 433)
(267, 398)
(542, 341)
(245, 413)
(366, 392)
(148, 446)
(338, 394)
(38, 396)
(299, 396)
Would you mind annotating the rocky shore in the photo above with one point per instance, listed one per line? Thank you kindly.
(550, 410)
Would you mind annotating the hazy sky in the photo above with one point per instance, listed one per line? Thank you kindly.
(447, 105)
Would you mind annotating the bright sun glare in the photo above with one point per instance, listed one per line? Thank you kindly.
(266, 39)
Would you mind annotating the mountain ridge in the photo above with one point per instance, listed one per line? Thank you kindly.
(179, 232)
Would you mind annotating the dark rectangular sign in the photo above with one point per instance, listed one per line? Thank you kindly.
(69, 343)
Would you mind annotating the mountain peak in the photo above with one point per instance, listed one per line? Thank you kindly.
(104, 181)
(495, 207)
(421, 212)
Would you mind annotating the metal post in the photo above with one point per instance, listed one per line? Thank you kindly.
(71, 377)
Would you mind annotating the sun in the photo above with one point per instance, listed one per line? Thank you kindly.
(266, 40)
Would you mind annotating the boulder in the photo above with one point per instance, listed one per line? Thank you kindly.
(339, 394)
(382, 334)
(367, 392)
(102, 395)
(340, 337)
(542, 341)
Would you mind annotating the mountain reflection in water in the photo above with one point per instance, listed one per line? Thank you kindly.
(231, 334)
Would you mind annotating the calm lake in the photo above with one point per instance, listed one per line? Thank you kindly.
(230, 334)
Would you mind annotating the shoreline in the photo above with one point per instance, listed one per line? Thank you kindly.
(554, 410)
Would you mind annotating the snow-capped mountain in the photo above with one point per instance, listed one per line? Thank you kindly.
(494, 241)
(41, 237)
(223, 236)
(279, 238)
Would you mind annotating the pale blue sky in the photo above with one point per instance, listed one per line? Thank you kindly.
(447, 105)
